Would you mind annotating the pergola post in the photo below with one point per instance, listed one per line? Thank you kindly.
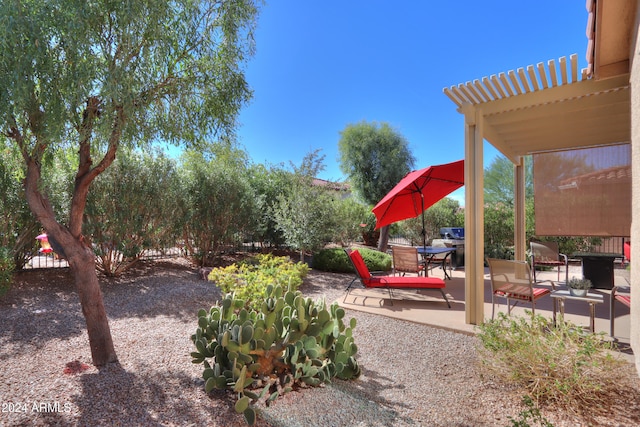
(520, 236)
(474, 218)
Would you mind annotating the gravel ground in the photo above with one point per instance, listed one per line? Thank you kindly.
(413, 375)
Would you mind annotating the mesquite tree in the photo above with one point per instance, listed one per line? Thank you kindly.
(94, 75)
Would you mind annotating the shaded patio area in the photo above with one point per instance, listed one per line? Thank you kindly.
(430, 309)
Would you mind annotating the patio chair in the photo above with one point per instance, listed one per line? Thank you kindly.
(622, 295)
(547, 254)
(512, 280)
(406, 260)
(364, 276)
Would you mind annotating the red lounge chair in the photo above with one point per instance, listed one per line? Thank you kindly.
(391, 282)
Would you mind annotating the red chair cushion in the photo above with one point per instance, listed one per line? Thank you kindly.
(406, 282)
(521, 292)
(358, 263)
(625, 299)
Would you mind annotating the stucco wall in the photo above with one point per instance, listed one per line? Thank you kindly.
(635, 194)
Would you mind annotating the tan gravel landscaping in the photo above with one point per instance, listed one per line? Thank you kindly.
(413, 375)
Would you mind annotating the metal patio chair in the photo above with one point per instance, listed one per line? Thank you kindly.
(512, 280)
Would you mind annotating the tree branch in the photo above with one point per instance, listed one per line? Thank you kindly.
(86, 174)
(15, 134)
(89, 115)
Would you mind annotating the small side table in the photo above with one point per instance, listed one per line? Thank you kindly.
(590, 298)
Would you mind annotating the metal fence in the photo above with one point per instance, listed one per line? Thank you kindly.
(45, 261)
(52, 261)
(608, 245)
(611, 245)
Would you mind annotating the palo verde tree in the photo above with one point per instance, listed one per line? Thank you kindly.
(92, 76)
(498, 181)
(375, 157)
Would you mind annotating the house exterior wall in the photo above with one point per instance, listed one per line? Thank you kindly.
(635, 194)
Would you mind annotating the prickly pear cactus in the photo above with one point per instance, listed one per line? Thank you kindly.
(260, 354)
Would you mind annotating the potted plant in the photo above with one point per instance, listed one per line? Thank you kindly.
(579, 287)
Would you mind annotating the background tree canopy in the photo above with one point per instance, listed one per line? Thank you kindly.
(498, 181)
(374, 157)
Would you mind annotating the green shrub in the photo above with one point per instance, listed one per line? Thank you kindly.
(334, 260)
(132, 208)
(7, 266)
(219, 205)
(561, 365)
(262, 353)
(376, 260)
(248, 279)
(337, 261)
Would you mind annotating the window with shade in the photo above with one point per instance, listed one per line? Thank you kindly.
(584, 192)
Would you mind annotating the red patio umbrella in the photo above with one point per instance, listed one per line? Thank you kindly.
(417, 191)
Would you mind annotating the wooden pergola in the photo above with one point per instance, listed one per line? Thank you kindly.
(541, 108)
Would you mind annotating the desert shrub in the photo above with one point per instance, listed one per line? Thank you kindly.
(249, 278)
(219, 205)
(336, 260)
(6, 270)
(304, 212)
(349, 214)
(561, 364)
(262, 353)
(376, 260)
(131, 209)
(370, 234)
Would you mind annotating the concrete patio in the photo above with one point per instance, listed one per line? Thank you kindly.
(428, 307)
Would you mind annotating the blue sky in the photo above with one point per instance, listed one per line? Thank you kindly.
(321, 65)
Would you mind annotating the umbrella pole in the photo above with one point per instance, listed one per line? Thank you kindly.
(424, 231)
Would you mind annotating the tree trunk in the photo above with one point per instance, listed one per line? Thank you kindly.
(82, 264)
(384, 239)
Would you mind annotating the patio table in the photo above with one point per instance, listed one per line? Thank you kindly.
(429, 253)
(591, 298)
